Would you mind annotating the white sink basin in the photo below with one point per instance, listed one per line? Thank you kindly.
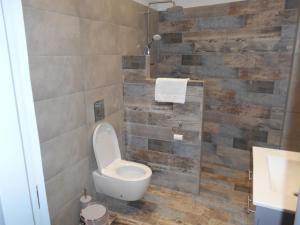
(276, 177)
(283, 173)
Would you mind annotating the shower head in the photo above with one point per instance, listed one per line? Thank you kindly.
(156, 37)
(175, 8)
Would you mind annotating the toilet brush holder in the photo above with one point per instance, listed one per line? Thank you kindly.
(85, 199)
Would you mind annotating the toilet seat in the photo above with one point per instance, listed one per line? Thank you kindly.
(127, 171)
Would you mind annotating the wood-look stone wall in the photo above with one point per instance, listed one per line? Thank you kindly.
(150, 126)
(243, 52)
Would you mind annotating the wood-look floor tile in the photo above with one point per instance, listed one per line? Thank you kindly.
(222, 201)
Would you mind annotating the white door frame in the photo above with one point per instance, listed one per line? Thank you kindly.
(20, 156)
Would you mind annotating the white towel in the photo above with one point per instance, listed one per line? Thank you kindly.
(170, 90)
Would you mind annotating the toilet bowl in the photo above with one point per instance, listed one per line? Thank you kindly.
(115, 177)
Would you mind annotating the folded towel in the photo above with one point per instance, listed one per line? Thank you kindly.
(170, 90)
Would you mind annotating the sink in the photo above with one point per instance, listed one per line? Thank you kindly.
(276, 177)
(282, 174)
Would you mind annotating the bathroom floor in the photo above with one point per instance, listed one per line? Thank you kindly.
(222, 201)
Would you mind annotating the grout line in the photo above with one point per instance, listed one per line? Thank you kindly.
(79, 17)
(86, 124)
(77, 92)
(79, 55)
(67, 168)
(64, 133)
(58, 97)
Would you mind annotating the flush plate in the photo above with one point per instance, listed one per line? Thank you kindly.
(99, 110)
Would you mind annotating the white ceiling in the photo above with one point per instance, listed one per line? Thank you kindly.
(186, 3)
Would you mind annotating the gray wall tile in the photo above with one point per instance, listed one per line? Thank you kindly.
(187, 150)
(206, 72)
(154, 132)
(127, 14)
(62, 6)
(64, 151)
(68, 215)
(241, 144)
(58, 115)
(99, 37)
(176, 49)
(54, 76)
(133, 62)
(136, 142)
(138, 90)
(51, 33)
(96, 10)
(171, 38)
(114, 12)
(290, 4)
(161, 146)
(261, 87)
(131, 41)
(101, 70)
(135, 116)
(171, 16)
(187, 183)
(221, 22)
(66, 186)
(191, 60)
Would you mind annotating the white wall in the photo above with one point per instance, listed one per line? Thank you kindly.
(186, 3)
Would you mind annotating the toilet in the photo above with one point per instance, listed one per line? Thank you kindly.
(115, 177)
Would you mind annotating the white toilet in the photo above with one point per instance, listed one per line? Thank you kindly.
(116, 177)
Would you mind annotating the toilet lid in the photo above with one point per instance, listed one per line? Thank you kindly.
(106, 146)
(93, 212)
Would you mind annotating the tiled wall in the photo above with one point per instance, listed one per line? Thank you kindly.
(150, 126)
(75, 50)
(243, 51)
(290, 139)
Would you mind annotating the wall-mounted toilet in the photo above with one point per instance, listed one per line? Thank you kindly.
(116, 177)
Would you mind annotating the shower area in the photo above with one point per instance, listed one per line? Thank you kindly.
(238, 58)
(152, 128)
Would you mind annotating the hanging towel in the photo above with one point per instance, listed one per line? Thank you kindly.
(170, 90)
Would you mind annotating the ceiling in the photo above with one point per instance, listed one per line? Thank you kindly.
(185, 3)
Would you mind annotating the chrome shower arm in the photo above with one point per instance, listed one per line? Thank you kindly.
(148, 15)
(161, 2)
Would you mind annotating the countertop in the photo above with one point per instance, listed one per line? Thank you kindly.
(276, 177)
